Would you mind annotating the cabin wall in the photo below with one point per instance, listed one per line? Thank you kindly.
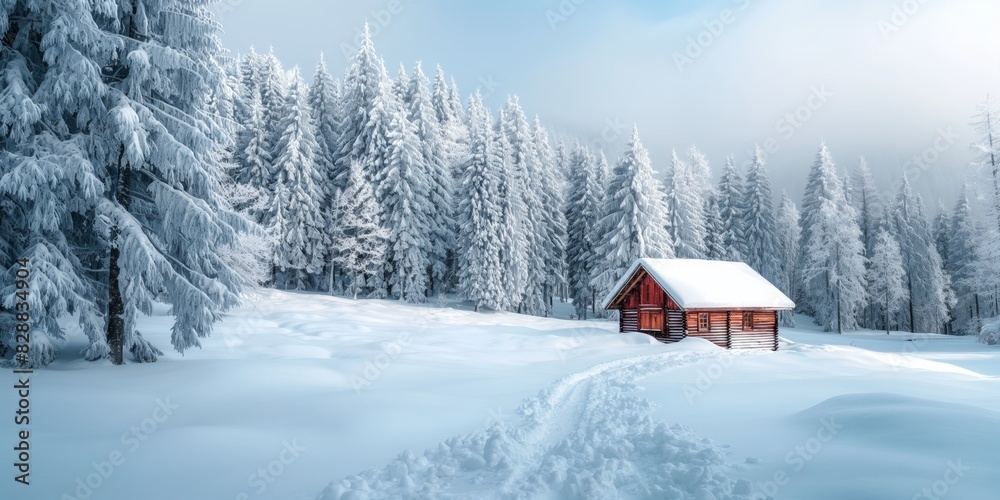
(726, 329)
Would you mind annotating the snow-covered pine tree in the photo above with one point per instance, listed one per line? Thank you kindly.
(405, 201)
(300, 251)
(512, 228)
(633, 222)
(360, 242)
(833, 261)
(528, 176)
(140, 95)
(987, 146)
(730, 197)
(272, 87)
(834, 271)
(927, 285)
(763, 254)
(550, 185)
(701, 172)
(323, 103)
(867, 202)
(479, 244)
(964, 267)
(886, 278)
(685, 210)
(715, 245)
(364, 82)
(256, 170)
(401, 85)
(583, 205)
(788, 234)
(434, 151)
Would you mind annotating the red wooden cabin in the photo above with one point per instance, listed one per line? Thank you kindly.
(727, 303)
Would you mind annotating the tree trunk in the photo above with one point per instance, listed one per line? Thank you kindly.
(909, 284)
(116, 306)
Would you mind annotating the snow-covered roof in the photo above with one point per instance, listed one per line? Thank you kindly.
(708, 284)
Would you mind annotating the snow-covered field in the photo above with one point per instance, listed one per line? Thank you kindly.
(309, 396)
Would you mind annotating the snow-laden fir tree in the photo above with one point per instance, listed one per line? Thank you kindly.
(762, 251)
(964, 267)
(730, 197)
(406, 211)
(886, 278)
(300, 251)
(256, 170)
(701, 172)
(715, 245)
(512, 221)
(632, 223)
(434, 152)
(986, 123)
(867, 202)
(358, 237)
(479, 243)
(583, 205)
(685, 210)
(550, 184)
(453, 129)
(134, 130)
(364, 82)
(272, 86)
(788, 234)
(323, 103)
(927, 285)
(529, 176)
(833, 261)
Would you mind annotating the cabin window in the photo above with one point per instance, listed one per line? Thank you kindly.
(703, 323)
(747, 321)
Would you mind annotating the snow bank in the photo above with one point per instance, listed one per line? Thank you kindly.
(990, 334)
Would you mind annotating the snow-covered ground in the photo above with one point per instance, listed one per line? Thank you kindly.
(303, 396)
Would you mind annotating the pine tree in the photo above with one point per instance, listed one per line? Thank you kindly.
(583, 206)
(758, 220)
(406, 204)
(365, 82)
(788, 234)
(512, 227)
(929, 291)
(300, 248)
(479, 243)
(686, 210)
(833, 261)
(964, 266)
(553, 220)
(434, 153)
(867, 202)
(886, 277)
(715, 245)
(987, 124)
(359, 240)
(730, 197)
(632, 223)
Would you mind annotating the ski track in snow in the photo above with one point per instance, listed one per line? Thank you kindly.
(583, 437)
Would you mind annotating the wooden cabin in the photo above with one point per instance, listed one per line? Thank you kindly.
(726, 303)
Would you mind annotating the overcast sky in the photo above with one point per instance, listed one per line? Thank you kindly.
(892, 80)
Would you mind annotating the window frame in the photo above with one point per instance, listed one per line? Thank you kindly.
(706, 325)
(747, 321)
